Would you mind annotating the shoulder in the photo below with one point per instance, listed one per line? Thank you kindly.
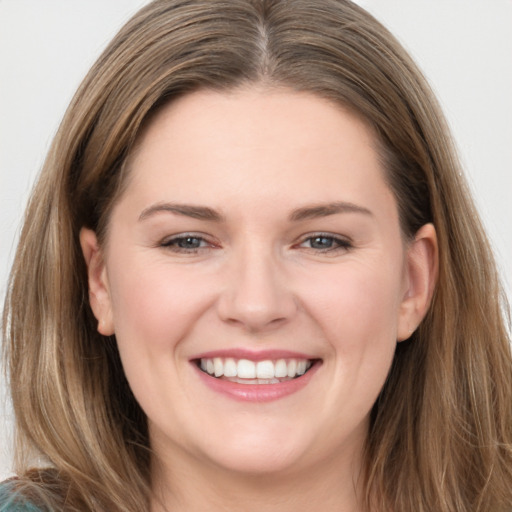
(12, 501)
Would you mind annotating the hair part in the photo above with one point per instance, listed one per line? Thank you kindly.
(441, 429)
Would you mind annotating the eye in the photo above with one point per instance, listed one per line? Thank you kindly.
(325, 243)
(187, 243)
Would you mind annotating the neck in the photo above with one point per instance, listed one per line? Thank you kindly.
(332, 486)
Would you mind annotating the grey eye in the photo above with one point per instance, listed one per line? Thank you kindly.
(325, 243)
(185, 243)
(321, 242)
(189, 242)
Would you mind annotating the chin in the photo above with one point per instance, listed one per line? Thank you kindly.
(256, 461)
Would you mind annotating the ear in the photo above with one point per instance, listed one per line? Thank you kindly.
(99, 291)
(422, 261)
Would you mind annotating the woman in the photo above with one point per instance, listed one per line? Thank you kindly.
(247, 274)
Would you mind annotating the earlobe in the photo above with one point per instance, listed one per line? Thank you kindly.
(99, 292)
(421, 269)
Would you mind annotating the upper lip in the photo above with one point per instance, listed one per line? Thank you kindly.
(253, 355)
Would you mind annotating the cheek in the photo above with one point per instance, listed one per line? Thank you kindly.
(355, 306)
(155, 305)
(357, 311)
(358, 298)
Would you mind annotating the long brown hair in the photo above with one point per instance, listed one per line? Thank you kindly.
(441, 431)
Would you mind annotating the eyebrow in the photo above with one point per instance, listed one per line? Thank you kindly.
(188, 210)
(323, 210)
(205, 213)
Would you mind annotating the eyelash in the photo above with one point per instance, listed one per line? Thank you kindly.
(337, 243)
(173, 243)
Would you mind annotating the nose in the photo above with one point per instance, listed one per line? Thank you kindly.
(257, 294)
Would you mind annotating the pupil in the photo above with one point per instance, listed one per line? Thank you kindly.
(321, 242)
(189, 243)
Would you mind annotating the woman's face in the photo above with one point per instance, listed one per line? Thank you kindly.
(256, 280)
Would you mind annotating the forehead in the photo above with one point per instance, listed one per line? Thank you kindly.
(275, 145)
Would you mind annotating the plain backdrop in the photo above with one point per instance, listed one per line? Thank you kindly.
(463, 46)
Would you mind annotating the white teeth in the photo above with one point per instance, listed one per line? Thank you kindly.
(230, 367)
(292, 368)
(218, 366)
(268, 381)
(255, 381)
(281, 369)
(301, 367)
(246, 369)
(265, 370)
(250, 372)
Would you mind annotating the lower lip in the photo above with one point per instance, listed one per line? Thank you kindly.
(258, 392)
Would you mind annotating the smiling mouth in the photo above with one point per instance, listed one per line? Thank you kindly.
(245, 371)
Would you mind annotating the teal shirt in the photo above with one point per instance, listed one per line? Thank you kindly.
(12, 502)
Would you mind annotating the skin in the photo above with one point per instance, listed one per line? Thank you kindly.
(259, 280)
